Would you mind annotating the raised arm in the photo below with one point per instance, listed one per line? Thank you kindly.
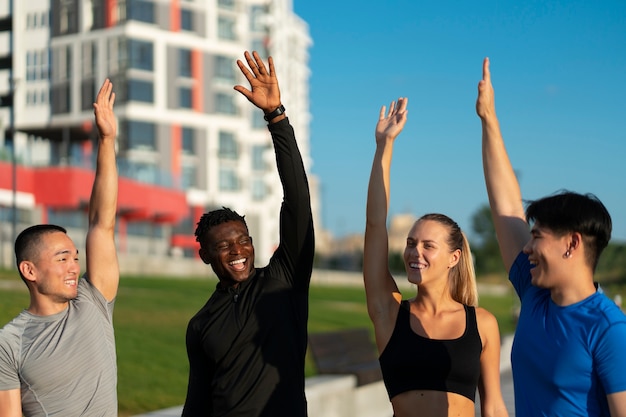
(102, 264)
(381, 290)
(296, 220)
(505, 198)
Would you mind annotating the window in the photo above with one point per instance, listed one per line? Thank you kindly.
(37, 64)
(62, 60)
(258, 155)
(224, 69)
(225, 104)
(184, 97)
(89, 58)
(140, 171)
(30, 65)
(44, 64)
(140, 10)
(188, 176)
(67, 17)
(184, 62)
(259, 190)
(140, 135)
(60, 98)
(87, 93)
(121, 7)
(140, 90)
(117, 55)
(68, 218)
(188, 146)
(228, 180)
(140, 55)
(228, 146)
(226, 4)
(256, 18)
(260, 45)
(226, 28)
(98, 16)
(258, 122)
(146, 229)
(186, 20)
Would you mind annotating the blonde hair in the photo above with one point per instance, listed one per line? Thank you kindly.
(462, 277)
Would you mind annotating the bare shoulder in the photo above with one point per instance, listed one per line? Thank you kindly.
(487, 323)
(484, 315)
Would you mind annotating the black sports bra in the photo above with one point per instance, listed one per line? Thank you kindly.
(413, 362)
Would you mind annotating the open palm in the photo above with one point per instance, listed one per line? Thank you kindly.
(389, 126)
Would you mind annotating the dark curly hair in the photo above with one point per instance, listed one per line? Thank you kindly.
(213, 218)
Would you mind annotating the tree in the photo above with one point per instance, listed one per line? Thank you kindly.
(485, 246)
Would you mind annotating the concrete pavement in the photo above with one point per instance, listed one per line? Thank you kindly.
(507, 393)
(506, 382)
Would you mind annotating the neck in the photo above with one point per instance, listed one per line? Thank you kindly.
(571, 294)
(45, 307)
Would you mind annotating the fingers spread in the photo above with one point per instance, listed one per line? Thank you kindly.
(247, 93)
(270, 62)
(259, 62)
(402, 103)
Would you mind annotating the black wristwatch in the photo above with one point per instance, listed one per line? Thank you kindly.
(269, 116)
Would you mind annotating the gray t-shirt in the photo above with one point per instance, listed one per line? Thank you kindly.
(65, 364)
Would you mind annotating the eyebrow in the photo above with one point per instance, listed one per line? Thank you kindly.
(65, 252)
(422, 241)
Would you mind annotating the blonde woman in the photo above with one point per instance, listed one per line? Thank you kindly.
(437, 347)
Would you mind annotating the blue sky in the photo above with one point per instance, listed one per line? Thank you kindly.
(559, 73)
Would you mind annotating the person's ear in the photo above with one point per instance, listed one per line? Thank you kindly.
(455, 257)
(575, 243)
(204, 256)
(28, 270)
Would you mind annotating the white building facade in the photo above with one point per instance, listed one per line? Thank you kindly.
(183, 130)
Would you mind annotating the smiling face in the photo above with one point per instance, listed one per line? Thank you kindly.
(546, 252)
(427, 255)
(228, 248)
(54, 272)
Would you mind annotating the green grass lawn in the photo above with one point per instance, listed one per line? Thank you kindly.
(151, 316)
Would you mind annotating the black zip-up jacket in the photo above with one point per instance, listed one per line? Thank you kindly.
(246, 346)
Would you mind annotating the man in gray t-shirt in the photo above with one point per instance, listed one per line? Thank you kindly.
(57, 357)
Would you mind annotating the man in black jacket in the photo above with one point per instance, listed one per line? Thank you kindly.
(246, 346)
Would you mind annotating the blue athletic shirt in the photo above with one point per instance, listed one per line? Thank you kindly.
(565, 360)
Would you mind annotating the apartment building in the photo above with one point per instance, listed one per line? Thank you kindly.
(187, 141)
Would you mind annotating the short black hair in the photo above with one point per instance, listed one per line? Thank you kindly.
(567, 211)
(215, 217)
(27, 241)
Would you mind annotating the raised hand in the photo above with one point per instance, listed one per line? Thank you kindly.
(264, 92)
(485, 103)
(103, 110)
(390, 126)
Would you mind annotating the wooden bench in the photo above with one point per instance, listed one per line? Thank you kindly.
(349, 351)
